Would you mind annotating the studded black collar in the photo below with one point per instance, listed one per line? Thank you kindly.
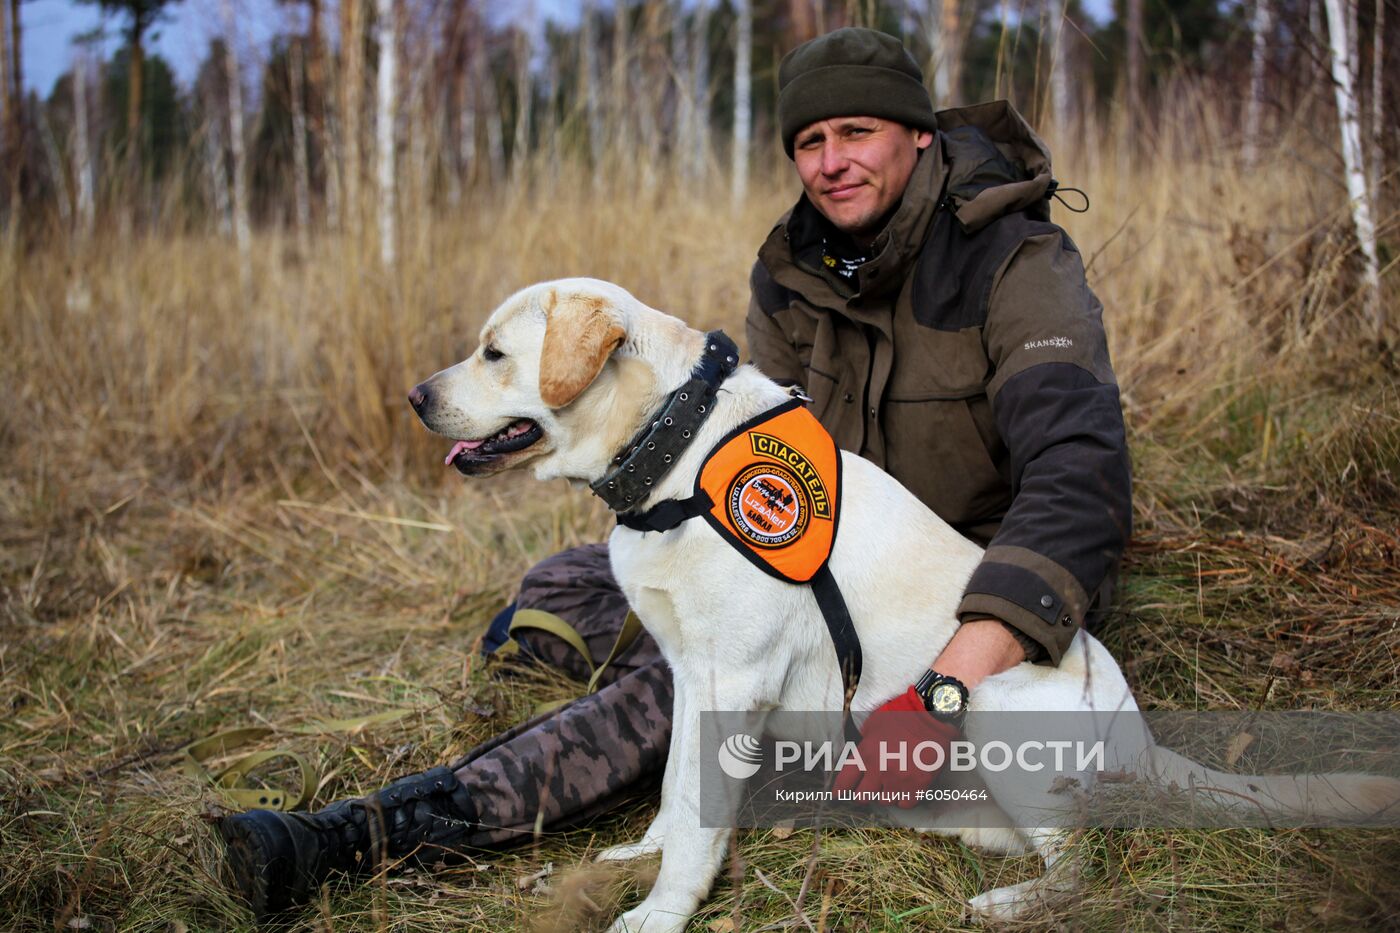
(653, 451)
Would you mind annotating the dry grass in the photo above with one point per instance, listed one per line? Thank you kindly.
(217, 511)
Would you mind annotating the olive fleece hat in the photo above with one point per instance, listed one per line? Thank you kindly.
(847, 73)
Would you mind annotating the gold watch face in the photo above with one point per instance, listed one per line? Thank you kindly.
(946, 698)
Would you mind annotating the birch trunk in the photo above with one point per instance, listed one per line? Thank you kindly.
(57, 170)
(331, 165)
(1348, 117)
(17, 63)
(348, 122)
(951, 61)
(588, 80)
(242, 233)
(1059, 68)
(315, 84)
(549, 124)
(524, 101)
(301, 173)
(217, 167)
(1377, 163)
(647, 84)
(82, 149)
(133, 101)
(743, 55)
(700, 88)
(17, 122)
(618, 109)
(934, 71)
(1134, 39)
(1315, 38)
(384, 126)
(6, 95)
(466, 139)
(683, 116)
(495, 128)
(1262, 26)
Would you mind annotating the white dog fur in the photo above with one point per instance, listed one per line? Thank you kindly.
(588, 363)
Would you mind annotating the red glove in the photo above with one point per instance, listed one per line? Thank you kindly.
(890, 731)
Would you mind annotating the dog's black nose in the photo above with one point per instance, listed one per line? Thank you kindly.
(417, 397)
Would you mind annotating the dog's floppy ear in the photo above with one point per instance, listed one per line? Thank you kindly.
(579, 338)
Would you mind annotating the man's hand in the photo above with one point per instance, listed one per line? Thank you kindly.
(979, 649)
(901, 721)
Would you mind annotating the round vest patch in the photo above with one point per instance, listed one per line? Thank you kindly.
(768, 505)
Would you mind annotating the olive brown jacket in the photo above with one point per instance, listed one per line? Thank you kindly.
(968, 360)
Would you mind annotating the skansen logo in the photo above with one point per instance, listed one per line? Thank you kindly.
(740, 756)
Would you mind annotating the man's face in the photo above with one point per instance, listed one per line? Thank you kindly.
(854, 169)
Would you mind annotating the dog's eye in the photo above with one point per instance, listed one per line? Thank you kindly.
(491, 354)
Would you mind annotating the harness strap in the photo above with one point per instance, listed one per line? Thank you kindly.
(667, 515)
(841, 628)
(796, 474)
(672, 512)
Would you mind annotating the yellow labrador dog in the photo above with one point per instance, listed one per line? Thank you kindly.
(566, 373)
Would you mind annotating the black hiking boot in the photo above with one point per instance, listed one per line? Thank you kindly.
(280, 860)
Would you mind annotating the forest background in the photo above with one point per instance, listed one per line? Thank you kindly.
(216, 508)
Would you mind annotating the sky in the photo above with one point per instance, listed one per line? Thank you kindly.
(182, 38)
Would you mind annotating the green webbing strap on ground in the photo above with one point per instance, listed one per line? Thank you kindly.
(228, 781)
(552, 624)
(631, 628)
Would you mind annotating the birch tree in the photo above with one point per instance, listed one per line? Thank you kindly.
(313, 55)
(348, 116)
(82, 146)
(301, 173)
(458, 96)
(1348, 117)
(491, 108)
(388, 39)
(743, 54)
(16, 74)
(683, 122)
(242, 233)
(1059, 69)
(6, 94)
(1378, 105)
(1262, 25)
(700, 87)
(214, 163)
(524, 98)
(10, 86)
(1134, 42)
(588, 80)
(618, 104)
(934, 71)
(950, 60)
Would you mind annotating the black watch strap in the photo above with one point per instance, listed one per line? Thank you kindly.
(935, 689)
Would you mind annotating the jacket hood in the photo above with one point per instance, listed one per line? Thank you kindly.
(997, 164)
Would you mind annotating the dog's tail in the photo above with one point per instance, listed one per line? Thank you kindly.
(1310, 797)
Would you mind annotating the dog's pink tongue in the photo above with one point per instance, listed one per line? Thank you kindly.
(458, 448)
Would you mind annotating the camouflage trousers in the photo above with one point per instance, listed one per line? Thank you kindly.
(589, 756)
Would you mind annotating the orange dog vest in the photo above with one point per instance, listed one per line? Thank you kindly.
(775, 489)
(772, 489)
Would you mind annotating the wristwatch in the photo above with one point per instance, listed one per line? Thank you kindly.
(945, 697)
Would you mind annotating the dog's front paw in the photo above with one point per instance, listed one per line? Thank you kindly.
(648, 845)
(649, 918)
